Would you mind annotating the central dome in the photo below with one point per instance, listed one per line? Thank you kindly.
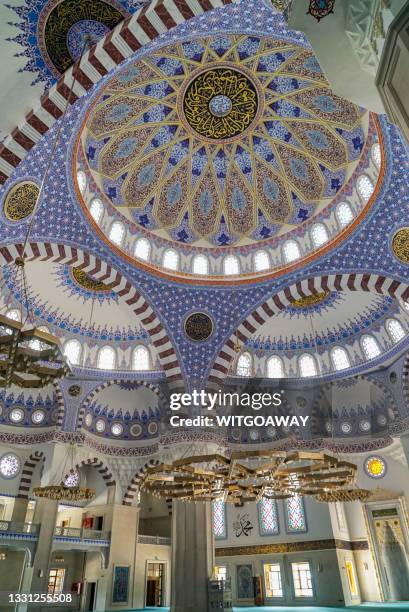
(222, 141)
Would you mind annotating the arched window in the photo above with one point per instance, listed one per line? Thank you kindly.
(275, 368)
(377, 155)
(244, 365)
(295, 514)
(14, 314)
(82, 181)
(140, 358)
(395, 330)
(72, 351)
(344, 214)
(117, 233)
(267, 516)
(307, 365)
(365, 187)
(170, 259)
(339, 358)
(231, 265)
(200, 264)
(319, 234)
(96, 210)
(370, 347)
(291, 251)
(219, 520)
(106, 358)
(261, 261)
(142, 249)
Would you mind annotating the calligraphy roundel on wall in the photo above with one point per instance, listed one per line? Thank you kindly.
(400, 245)
(198, 326)
(20, 201)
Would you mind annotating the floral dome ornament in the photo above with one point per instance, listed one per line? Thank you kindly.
(321, 8)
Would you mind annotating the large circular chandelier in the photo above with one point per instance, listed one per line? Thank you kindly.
(250, 475)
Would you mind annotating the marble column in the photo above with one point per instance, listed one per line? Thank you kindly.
(19, 510)
(192, 555)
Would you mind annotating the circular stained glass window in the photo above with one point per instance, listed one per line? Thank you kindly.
(100, 425)
(88, 420)
(346, 427)
(9, 465)
(116, 429)
(382, 420)
(153, 429)
(136, 430)
(38, 416)
(375, 467)
(365, 425)
(72, 479)
(16, 415)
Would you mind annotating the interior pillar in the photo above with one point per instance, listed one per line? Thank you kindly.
(19, 510)
(192, 555)
(45, 515)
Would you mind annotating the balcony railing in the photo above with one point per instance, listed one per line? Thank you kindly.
(147, 539)
(82, 534)
(18, 528)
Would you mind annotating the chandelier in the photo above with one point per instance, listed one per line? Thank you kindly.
(62, 491)
(250, 475)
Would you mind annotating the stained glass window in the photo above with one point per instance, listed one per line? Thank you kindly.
(9, 465)
(370, 347)
(365, 187)
(344, 214)
(261, 261)
(375, 467)
(117, 233)
(244, 365)
(231, 265)
(295, 515)
(142, 249)
(377, 155)
(171, 259)
(96, 210)
(291, 251)
(395, 330)
(200, 265)
(106, 358)
(307, 365)
(140, 358)
(72, 479)
(72, 351)
(219, 520)
(82, 181)
(319, 234)
(339, 358)
(275, 368)
(267, 515)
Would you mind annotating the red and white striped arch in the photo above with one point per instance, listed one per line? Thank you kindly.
(29, 466)
(278, 302)
(155, 18)
(63, 254)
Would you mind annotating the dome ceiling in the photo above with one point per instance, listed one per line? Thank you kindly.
(64, 297)
(222, 141)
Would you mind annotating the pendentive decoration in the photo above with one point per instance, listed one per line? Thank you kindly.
(20, 201)
(198, 326)
(375, 467)
(321, 8)
(311, 300)
(86, 281)
(220, 103)
(400, 245)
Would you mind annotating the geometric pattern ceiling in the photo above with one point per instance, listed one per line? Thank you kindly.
(222, 140)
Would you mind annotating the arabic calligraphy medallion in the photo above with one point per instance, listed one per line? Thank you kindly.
(220, 103)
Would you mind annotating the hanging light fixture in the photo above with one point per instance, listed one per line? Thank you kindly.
(62, 490)
(250, 475)
(30, 357)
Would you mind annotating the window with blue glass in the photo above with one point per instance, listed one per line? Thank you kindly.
(219, 520)
(268, 516)
(295, 514)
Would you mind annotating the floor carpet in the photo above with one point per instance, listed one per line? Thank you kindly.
(367, 607)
